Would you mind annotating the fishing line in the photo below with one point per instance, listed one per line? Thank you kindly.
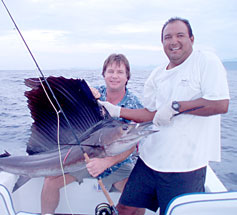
(37, 65)
(92, 146)
(52, 93)
(60, 110)
(58, 144)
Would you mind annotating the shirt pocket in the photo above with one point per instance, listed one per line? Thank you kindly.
(187, 89)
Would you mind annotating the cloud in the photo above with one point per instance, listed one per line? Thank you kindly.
(93, 28)
(130, 28)
(99, 47)
(44, 35)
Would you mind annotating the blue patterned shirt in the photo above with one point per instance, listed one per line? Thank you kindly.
(129, 101)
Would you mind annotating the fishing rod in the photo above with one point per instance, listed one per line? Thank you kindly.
(37, 65)
(87, 159)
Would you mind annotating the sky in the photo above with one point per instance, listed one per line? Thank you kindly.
(74, 34)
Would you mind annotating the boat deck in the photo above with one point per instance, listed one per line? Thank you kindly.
(76, 199)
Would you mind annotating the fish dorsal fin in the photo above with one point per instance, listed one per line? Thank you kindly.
(77, 102)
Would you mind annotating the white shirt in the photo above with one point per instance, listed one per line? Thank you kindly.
(190, 141)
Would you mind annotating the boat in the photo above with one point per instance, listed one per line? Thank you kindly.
(75, 198)
(215, 203)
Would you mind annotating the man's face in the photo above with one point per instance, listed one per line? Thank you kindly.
(115, 76)
(176, 43)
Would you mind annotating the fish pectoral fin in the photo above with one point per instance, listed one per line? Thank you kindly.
(5, 154)
(21, 181)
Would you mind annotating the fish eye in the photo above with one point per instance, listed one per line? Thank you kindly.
(125, 127)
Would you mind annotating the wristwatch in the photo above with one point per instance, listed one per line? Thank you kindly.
(175, 105)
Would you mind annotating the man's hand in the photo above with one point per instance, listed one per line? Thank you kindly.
(95, 92)
(164, 115)
(96, 166)
(113, 110)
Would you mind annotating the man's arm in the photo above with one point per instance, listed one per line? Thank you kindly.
(137, 115)
(203, 107)
(210, 107)
(96, 166)
(165, 113)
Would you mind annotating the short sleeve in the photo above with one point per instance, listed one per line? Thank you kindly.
(213, 78)
(149, 92)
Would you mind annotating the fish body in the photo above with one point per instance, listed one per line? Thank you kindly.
(97, 133)
(103, 142)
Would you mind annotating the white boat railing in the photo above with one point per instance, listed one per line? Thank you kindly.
(78, 199)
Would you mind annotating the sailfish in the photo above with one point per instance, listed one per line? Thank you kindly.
(88, 128)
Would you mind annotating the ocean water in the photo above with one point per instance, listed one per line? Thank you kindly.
(15, 120)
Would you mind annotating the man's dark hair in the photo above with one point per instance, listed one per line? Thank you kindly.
(174, 19)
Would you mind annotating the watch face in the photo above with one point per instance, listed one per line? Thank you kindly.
(175, 106)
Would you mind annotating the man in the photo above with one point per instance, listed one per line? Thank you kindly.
(185, 99)
(116, 72)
